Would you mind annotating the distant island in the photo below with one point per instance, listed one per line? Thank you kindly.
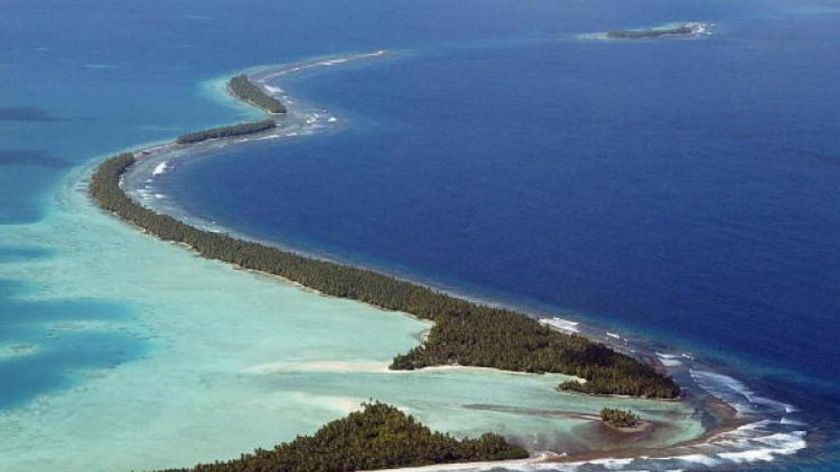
(683, 29)
(378, 437)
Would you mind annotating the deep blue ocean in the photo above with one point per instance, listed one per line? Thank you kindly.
(681, 189)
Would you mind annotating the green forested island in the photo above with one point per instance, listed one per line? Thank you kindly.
(247, 91)
(240, 129)
(378, 437)
(619, 418)
(465, 333)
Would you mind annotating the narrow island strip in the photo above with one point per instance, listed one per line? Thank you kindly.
(232, 131)
(242, 88)
(464, 333)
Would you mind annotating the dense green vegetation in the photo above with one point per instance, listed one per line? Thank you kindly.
(619, 418)
(247, 91)
(378, 437)
(226, 131)
(464, 333)
(481, 336)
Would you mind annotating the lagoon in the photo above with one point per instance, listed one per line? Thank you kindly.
(110, 340)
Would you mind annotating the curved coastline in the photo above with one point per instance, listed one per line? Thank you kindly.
(464, 333)
(729, 422)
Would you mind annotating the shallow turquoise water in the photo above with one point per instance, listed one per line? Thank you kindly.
(213, 361)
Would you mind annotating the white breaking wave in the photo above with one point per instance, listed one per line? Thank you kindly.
(700, 28)
(270, 136)
(613, 464)
(749, 444)
(735, 393)
(758, 442)
(746, 445)
(791, 422)
(160, 168)
(668, 360)
(561, 324)
(700, 459)
(332, 62)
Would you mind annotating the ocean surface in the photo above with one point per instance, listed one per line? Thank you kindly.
(679, 191)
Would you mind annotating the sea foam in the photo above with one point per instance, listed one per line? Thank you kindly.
(160, 168)
(561, 324)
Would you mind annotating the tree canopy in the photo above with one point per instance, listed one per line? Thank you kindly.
(619, 418)
(241, 87)
(378, 437)
(240, 129)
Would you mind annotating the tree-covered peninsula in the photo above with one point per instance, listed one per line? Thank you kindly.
(464, 333)
(378, 437)
(247, 91)
(232, 131)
